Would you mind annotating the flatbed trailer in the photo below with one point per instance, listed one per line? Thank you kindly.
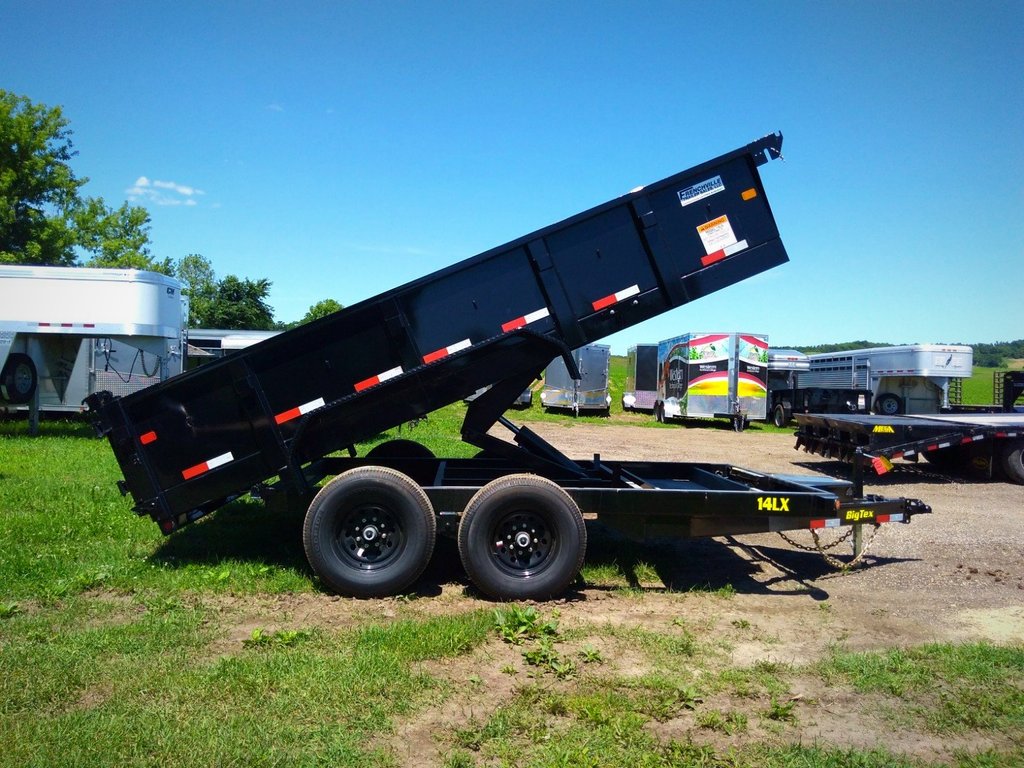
(988, 443)
(269, 420)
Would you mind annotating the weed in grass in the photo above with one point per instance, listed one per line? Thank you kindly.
(516, 624)
(591, 655)
(544, 655)
(765, 677)
(283, 638)
(781, 711)
(741, 623)
(7, 610)
(729, 723)
(459, 759)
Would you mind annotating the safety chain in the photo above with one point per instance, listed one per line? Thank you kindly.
(822, 548)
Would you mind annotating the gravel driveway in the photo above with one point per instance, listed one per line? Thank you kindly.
(957, 573)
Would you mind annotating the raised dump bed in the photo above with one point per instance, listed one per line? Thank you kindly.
(268, 417)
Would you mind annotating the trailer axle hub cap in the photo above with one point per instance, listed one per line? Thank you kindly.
(522, 543)
(369, 537)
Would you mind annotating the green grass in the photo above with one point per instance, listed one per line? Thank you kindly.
(978, 389)
(87, 684)
(116, 649)
(952, 689)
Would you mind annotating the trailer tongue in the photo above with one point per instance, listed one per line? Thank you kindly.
(269, 418)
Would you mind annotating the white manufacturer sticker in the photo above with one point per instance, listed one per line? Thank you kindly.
(717, 234)
(700, 191)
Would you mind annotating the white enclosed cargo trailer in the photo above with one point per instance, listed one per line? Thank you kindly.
(911, 378)
(66, 332)
(588, 393)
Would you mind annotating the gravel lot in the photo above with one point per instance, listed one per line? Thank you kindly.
(957, 573)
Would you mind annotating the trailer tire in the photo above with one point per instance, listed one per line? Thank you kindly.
(369, 532)
(1013, 461)
(19, 379)
(522, 537)
(779, 416)
(889, 405)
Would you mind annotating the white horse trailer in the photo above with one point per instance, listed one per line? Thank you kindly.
(66, 332)
(912, 378)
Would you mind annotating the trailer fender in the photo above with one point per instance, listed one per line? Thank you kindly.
(369, 532)
(522, 537)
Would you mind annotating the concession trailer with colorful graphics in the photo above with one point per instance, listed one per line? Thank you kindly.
(66, 332)
(713, 375)
(275, 420)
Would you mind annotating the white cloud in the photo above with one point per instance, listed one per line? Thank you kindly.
(157, 192)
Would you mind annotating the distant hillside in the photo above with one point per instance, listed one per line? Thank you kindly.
(985, 355)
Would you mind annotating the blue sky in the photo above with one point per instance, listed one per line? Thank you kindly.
(340, 149)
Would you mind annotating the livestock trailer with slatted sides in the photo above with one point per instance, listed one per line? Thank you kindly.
(271, 419)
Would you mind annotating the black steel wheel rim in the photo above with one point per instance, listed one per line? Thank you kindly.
(523, 543)
(369, 537)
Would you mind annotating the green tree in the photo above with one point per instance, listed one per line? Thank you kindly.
(320, 309)
(43, 217)
(117, 237)
(199, 283)
(38, 188)
(241, 304)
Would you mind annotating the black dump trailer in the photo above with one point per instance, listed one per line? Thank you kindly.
(275, 419)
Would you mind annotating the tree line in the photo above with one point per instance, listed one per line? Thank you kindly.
(994, 355)
(46, 219)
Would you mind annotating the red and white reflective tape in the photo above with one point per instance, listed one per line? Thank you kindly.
(451, 349)
(373, 381)
(718, 255)
(615, 298)
(833, 522)
(1006, 434)
(971, 439)
(895, 518)
(294, 413)
(66, 325)
(206, 466)
(519, 322)
(147, 437)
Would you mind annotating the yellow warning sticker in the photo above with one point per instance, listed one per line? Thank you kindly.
(716, 234)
